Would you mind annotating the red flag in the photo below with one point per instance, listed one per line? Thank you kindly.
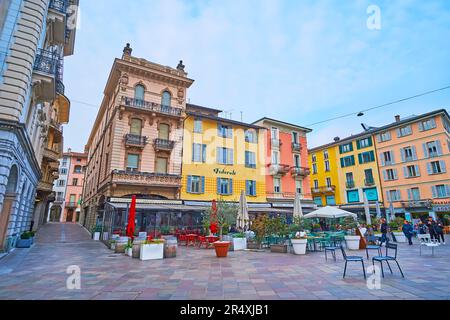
(131, 218)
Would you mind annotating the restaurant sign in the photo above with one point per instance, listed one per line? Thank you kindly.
(224, 171)
(441, 206)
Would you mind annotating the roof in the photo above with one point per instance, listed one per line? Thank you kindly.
(346, 139)
(195, 106)
(75, 154)
(224, 120)
(283, 123)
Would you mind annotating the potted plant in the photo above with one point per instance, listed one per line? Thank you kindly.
(259, 228)
(152, 250)
(225, 214)
(25, 241)
(351, 239)
(299, 240)
(129, 249)
(278, 228)
(317, 227)
(395, 227)
(96, 232)
(112, 245)
(239, 242)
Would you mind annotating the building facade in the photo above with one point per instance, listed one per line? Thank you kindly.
(414, 154)
(35, 36)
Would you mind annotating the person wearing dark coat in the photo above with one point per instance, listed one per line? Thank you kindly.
(423, 229)
(431, 224)
(384, 230)
(439, 228)
(408, 231)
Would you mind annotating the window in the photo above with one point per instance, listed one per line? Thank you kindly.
(75, 181)
(353, 196)
(346, 148)
(327, 166)
(250, 136)
(61, 183)
(298, 186)
(314, 168)
(408, 154)
(161, 165)
(72, 198)
(316, 184)
(371, 194)
(139, 92)
(163, 131)
(250, 159)
(198, 126)
(295, 137)
(364, 143)
(436, 167)
(224, 186)
(136, 127)
(276, 185)
(78, 160)
(59, 196)
(326, 155)
(383, 137)
(331, 200)
(275, 157)
(275, 133)
(329, 184)
(432, 149)
(427, 125)
(314, 158)
(411, 171)
(166, 99)
(132, 162)
(393, 195)
(297, 161)
(64, 162)
(414, 194)
(63, 171)
(225, 155)
(224, 131)
(390, 174)
(349, 178)
(404, 131)
(366, 157)
(250, 188)
(318, 201)
(196, 184)
(368, 174)
(198, 152)
(441, 191)
(78, 169)
(387, 158)
(348, 161)
(446, 124)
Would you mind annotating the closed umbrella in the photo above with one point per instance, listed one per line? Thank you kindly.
(367, 210)
(242, 217)
(391, 215)
(378, 210)
(298, 212)
(131, 218)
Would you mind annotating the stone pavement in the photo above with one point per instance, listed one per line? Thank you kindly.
(40, 273)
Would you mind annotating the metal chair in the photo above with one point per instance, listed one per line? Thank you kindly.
(425, 240)
(333, 244)
(375, 246)
(352, 258)
(388, 258)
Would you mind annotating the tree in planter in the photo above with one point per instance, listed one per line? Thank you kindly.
(350, 224)
(300, 224)
(260, 228)
(279, 228)
(225, 215)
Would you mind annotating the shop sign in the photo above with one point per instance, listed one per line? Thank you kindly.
(225, 171)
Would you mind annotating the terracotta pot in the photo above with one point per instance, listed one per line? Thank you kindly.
(221, 248)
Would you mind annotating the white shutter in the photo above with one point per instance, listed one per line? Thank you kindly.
(429, 168)
(383, 163)
(443, 167)
(395, 174)
(414, 152)
(425, 150)
(417, 170)
(421, 126)
(402, 154)
(399, 195)
(392, 157)
(410, 197)
(434, 192)
(385, 175)
(438, 147)
(405, 172)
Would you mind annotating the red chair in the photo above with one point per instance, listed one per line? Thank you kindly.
(183, 238)
(202, 241)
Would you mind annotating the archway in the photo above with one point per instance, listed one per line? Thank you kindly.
(55, 213)
(10, 197)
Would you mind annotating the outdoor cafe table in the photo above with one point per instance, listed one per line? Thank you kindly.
(314, 241)
(191, 238)
(211, 240)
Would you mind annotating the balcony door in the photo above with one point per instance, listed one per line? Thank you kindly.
(136, 127)
(163, 131)
(161, 165)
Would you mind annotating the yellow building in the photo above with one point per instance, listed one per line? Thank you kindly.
(221, 158)
(346, 170)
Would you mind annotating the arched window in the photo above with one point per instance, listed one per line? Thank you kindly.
(139, 92)
(166, 99)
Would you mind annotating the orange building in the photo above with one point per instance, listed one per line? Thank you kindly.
(413, 155)
(74, 189)
(287, 170)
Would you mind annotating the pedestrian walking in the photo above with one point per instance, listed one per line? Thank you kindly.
(408, 231)
(440, 231)
(422, 228)
(431, 224)
(384, 230)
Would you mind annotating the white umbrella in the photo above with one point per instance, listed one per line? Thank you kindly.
(330, 212)
(367, 210)
(298, 212)
(378, 210)
(391, 215)
(242, 217)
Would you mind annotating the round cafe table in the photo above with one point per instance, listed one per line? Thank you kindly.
(191, 238)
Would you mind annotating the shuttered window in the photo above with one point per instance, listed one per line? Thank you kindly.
(161, 165)
(163, 131)
(136, 127)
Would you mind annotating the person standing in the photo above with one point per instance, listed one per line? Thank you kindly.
(431, 224)
(408, 231)
(440, 231)
(384, 230)
(422, 228)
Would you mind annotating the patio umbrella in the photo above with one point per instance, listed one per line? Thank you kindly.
(131, 218)
(242, 217)
(330, 212)
(298, 212)
(378, 210)
(367, 210)
(392, 212)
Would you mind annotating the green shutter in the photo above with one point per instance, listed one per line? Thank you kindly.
(340, 150)
(202, 184)
(189, 183)
(230, 185)
(358, 144)
(370, 141)
(342, 163)
(351, 146)
(353, 160)
(360, 158)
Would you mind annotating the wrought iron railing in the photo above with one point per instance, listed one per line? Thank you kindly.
(296, 146)
(301, 171)
(59, 5)
(350, 184)
(330, 189)
(369, 182)
(46, 62)
(135, 140)
(164, 144)
(151, 106)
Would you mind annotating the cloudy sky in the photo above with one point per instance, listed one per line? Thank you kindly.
(299, 61)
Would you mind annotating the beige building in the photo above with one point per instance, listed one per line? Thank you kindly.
(135, 146)
(35, 37)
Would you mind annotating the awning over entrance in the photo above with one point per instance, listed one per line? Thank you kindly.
(157, 207)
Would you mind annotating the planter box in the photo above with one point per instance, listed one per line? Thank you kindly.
(299, 246)
(254, 246)
(239, 244)
(24, 243)
(352, 242)
(278, 248)
(96, 236)
(120, 247)
(129, 252)
(137, 248)
(152, 251)
(400, 237)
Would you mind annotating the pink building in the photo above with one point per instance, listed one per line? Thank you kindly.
(74, 188)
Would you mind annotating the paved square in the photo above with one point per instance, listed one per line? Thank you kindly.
(40, 273)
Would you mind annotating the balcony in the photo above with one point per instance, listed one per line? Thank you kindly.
(369, 182)
(46, 62)
(417, 204)
(145, 179)
(163, 145)
(45, 186)
(281, 195)
(52, 154)
(279, 169)
(136, 141)
(56, 129)
(276, 143)
(350, 184)
(324, 190)
(44, 70)
(296, 147)
(300, 172)
(59, 5)
(151, 107)
(59, 200)
(71, 205)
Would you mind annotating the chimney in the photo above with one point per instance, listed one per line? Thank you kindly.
(397, 118)
(337, 139)
(127, 51)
